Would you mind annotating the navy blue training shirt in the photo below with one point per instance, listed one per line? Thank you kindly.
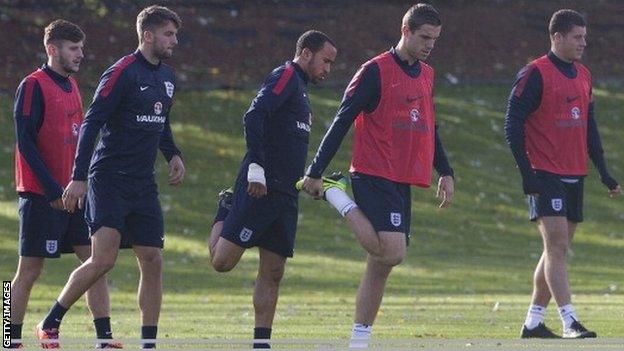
(131, 110)
(277, 128)
(365, 97)
(27, 127)
(520, 107)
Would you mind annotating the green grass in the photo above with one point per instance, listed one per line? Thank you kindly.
(462, 262)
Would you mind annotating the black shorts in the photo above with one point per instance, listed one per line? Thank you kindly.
(127, 204)
(558, 197)
(269, 222)
(387, 204)
(46, 232)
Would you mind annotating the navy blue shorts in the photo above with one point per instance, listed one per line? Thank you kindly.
(46, 232)
(127, 204)
(387, 204)
(558, 197)
(269, 222)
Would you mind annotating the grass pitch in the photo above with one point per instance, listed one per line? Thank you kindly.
(468, 270)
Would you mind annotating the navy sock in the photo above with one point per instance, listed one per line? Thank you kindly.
(16, 331)
(149, 332)
(262, 333)
(103, 328)
(54, 317)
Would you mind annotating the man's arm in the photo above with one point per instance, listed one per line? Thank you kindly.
(108, 95)
(362, 94)
(172, 154)
(275, 90)
(28, 114)
(525, 98)
(440, 161)
(596, 153)
(112, 87)
(167, 144)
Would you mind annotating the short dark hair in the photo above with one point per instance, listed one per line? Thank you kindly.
(313, 40)
(563, 21)
(62, 30)
(155, 15)
(420, 14)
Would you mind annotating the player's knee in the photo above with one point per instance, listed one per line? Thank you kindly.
(103, 265)
(556, 245)
(393, 259)
(557, 249)
(28, 277)
(274, 275)
(221, 265)
(152, 260)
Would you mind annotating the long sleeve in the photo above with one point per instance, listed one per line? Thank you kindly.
(167, 144)
(440, 161)
(595, 151)
(108, 95)
(28, 115)
(524, 99)
(274, 92)
(362, 94)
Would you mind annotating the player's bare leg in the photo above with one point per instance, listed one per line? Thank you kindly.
(28, 271)
(104, 250)
(373, 284)
(215, 234)
(364, 232)
(554, 232)
(97, 296)
(150, 285)
(226, 255)
(266, 290)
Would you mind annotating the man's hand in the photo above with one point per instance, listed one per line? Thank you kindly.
(446, 190)
(313, 186)
(57, 204)
(176, 170)
(531, 185)
(256, 190)
(74, 194)
(257, 182)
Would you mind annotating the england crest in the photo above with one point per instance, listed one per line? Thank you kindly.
(158, 108)
(169, 89)
(575, 113)
(51, 246)
(414, 115)
(557, 204)
(75, 129)
(395, 219)
(245, 234)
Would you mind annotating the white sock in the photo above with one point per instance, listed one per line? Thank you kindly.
(568, 315)
(340, 200)
(360, 336)
(535, 316)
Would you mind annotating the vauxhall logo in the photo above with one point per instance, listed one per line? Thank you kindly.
(150, 119)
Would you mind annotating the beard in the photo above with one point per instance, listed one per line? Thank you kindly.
(67, 65)
(162, 53)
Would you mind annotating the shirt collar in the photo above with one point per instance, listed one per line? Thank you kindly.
(139, 55)
(559, 62)
(401, 62)
(55, 76)
(300, 71)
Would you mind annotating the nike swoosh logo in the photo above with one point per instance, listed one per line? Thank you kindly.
(413, 98)
(570, 99)
(143, 88)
